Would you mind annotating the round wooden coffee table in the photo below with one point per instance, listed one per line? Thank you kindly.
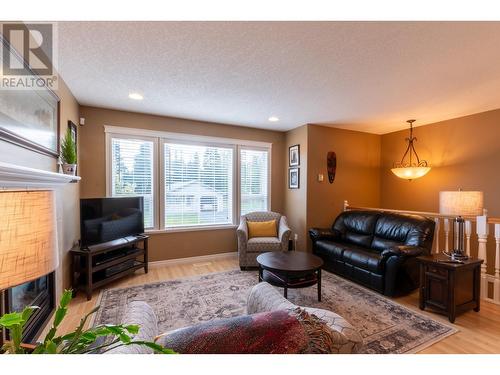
(291, 269)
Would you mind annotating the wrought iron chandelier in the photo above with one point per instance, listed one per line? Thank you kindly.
(410, 167)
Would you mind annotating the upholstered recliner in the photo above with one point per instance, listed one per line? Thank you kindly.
(250, 248)
(376, 249)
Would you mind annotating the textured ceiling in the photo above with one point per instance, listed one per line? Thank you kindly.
(367, 76)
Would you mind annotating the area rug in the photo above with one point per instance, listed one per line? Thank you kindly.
(386, 326)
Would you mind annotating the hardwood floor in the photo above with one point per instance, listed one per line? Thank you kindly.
(478, 332)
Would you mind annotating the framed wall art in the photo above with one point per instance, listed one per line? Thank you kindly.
(30, 117)
(293, 178)
(294, 156)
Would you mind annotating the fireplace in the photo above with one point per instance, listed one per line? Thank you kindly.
(39, 292)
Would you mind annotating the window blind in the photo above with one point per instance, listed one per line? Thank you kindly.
(254, 180)
(132, 172)
(198, 185)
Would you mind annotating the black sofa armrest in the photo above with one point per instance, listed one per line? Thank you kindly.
(406, 251)
(317, 234)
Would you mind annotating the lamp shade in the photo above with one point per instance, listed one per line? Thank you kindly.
(410, 173)
(28, 245)
(461, 203)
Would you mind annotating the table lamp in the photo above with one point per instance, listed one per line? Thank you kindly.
(459, 204)
(28, 237)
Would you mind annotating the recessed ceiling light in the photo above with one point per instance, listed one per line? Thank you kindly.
(135, 96)
(273, 119)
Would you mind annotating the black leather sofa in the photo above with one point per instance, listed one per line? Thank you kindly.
(375, 249)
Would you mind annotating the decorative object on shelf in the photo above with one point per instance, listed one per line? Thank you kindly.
(28, 246)
(68, 153)
(293, 178)
(294, 156)
(459, 204)
(331, 165)
(410, 167)
(29, 118)
(74, 134)
(80, 341)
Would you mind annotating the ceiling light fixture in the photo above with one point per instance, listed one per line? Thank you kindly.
(135, 96)
(410, 167)
(273, 119)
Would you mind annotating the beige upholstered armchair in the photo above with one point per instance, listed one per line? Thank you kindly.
(249, 249)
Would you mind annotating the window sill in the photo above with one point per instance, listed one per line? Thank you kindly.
(191, 229)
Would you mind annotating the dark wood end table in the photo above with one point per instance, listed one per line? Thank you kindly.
(291, 269)
(449, 288)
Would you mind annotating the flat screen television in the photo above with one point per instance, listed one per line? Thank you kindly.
(106, 219)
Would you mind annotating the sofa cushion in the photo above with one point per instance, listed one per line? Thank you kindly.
(365, 259)
(333, 250)
(357, 227)
(263, 244)
(396, 230)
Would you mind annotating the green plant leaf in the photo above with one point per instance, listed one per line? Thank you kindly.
(59, 316)
(66, 298)
(51, 348)
(28, 311)
(156, 347)
(9, 320)
(132, 328)
(68, 148)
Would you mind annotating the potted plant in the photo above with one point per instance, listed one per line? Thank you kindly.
(80, 341)
(68, 154)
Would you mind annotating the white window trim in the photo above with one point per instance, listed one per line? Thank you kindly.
(156, 175)
(159, 138)
(269, 174)
(189, 138)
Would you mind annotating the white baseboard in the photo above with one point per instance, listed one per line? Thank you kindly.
(198, 259)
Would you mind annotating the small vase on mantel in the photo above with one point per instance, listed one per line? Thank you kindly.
(69, 169)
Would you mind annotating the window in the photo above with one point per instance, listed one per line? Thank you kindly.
(253, 180)
(198, 185)
(132, 172)
(188, 181)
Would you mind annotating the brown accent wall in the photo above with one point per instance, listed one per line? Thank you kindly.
(181, 244)
(296, 199)
(317, 204)
(357, 178)
(463, 152)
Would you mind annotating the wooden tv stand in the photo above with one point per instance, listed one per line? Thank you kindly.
(101, 264)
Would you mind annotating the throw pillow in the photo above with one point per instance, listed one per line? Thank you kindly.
(262, 229)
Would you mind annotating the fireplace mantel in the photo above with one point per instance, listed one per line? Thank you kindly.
(15, 176)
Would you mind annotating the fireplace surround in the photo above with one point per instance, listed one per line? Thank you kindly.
(41, 289)
(39, 292)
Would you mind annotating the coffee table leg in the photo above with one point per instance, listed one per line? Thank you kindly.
(319, 285)
(285, 290)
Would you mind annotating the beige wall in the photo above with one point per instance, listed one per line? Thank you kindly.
(357, 178)
(171, 245)
(67, 197)
(296, 199)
